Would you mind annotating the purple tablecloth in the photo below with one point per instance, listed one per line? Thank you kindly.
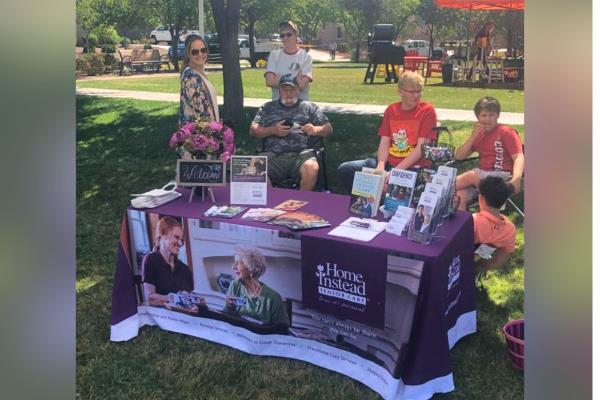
(446, 308)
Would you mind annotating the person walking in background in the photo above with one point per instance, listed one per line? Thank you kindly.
(291, 59)
(332, 48)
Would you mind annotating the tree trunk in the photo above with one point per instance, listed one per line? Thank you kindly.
(251, 24)
(175, 47)
(227, 19)
(357, 51)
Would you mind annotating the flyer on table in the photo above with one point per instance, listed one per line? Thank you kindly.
(248, 180)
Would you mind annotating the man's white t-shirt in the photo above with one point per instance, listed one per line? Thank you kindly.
(298, 64)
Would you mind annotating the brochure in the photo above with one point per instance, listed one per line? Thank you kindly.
(366, 194)
(262, 214)
(248, 180)
(400, 189)
(291, 205)
(224, 211)
(424, 176)
(299, 220)
(422, 226)
(362, 229)
(400, 220)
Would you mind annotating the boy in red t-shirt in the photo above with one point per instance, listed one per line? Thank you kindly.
(405, 127)
(500, 152)
(491, 227)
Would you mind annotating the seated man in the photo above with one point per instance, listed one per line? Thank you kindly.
(286, 125)
(405, 127)
(500, 152)
(491, 227)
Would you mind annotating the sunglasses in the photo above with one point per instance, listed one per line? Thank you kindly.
(195, 52)
(284, 35)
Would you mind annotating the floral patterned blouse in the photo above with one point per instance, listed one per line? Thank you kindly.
(196, 99)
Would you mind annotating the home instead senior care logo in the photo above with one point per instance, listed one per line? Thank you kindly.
(339, 283)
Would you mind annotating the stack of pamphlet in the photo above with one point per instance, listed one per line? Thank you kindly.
(155, 197)
(362, 229)
(400, 220)
(366, 192)
(224, 211)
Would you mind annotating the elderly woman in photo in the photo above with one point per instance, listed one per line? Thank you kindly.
(249, 296)
(163, 272)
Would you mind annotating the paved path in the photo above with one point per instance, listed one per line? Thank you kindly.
(340, 108)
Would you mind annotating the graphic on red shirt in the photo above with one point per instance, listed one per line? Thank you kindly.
(404, 135)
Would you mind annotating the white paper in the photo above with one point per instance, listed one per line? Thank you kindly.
(248, 180)
(364, 234)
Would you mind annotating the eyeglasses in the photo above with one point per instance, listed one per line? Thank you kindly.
(284, 35)
(412, 91)
(195, 52)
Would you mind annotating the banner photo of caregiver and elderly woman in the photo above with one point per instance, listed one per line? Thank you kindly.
(271, 292)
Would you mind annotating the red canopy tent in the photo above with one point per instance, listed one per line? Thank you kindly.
(483, 5)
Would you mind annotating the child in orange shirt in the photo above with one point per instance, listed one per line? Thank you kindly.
(491, 227)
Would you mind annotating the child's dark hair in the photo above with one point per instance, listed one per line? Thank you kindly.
(495, 190)
(487, 103)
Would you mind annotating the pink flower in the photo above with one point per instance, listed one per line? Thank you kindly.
(215, 126)
(199, 142)
(174, 140)
(212, 145)
(228, 135)
(225, 156)
(229, 148)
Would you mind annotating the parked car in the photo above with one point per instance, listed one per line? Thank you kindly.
(261, 49)
(214, 49)
(422, 47)
(164, 35)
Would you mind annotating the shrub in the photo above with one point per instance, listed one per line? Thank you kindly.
(106, 34)
(125, 42)
(147, 46)
(96, 62)
(82, 64)
(109, 48)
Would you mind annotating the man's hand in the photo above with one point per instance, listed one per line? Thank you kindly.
(281, 130)
(310, 129)
(516, 183)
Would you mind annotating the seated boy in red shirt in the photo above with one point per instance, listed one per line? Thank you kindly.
(491, 227)
(500, 152)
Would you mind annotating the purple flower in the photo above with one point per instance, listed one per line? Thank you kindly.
(212, 145)
(225, 156)
(228, 135)
(199, 142)
(215, 126)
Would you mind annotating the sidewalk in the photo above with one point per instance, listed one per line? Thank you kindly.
(339, 108)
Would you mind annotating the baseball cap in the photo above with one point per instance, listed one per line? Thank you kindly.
(289, 24)
(288, 79)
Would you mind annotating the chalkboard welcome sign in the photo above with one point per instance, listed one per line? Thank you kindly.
(200, 172)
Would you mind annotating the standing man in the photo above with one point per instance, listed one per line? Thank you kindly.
(332, 49)
(405, 127)
(286, 125)
(291, 59)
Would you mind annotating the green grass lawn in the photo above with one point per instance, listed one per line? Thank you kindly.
(121, 149)
(333, 83)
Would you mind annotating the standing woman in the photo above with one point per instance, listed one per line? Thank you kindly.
(197, 96)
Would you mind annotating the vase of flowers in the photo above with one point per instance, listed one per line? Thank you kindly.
(204, 139)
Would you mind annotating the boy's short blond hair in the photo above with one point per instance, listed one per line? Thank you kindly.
(411, 77)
